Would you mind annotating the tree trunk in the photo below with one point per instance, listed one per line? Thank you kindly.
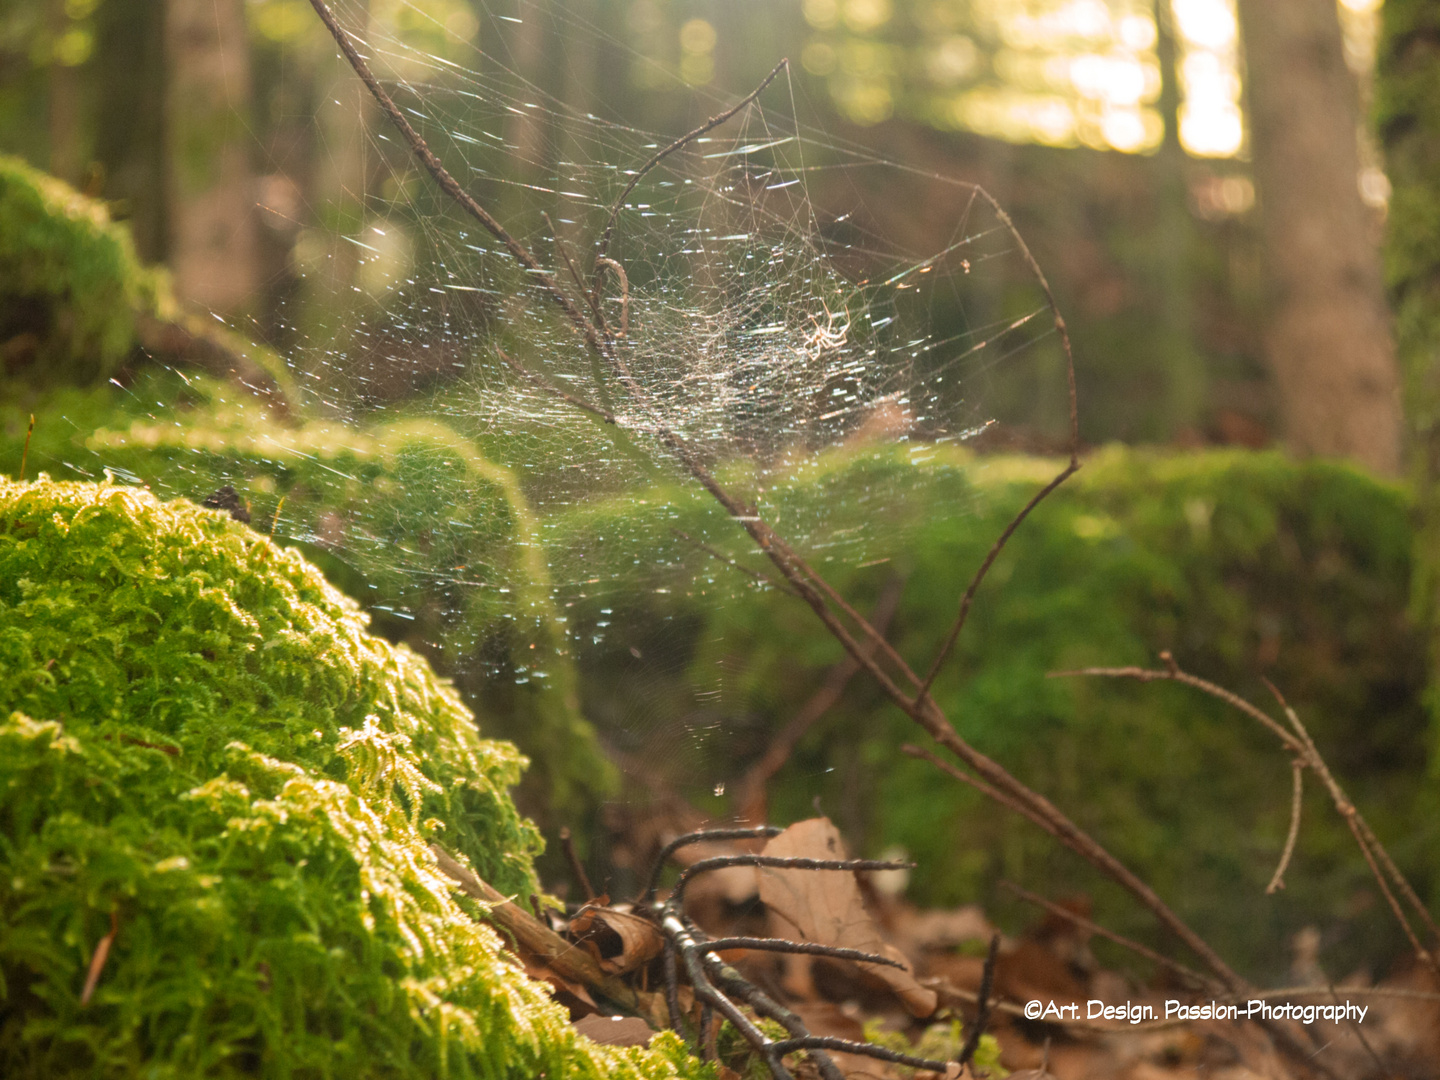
(1328, 339)
(213, 249)
(1407, 115)
(1185, 376)
(130, 119)
(64, 103)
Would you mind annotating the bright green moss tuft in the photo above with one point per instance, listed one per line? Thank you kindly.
(204, 742)
(70, 283)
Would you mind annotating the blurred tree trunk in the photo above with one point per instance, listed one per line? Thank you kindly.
(130, 124)
(344, 115)
(64, 104)
(1328, 335)
(213, 239)
(1185, 389)
(1407, 114)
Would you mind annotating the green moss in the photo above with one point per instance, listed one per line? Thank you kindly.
(70, 283)
(437, 540)
(1241, 564)
(205, 745)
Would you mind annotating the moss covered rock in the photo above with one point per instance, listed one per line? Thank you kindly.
(211, 773)
(70, 283)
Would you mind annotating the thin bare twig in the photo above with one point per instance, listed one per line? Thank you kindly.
(788, 862)
(603, 247)
(1369, 843)
(991, 556)
(604, 263)
(800, 948)
(448, 183)
(702, 836)
(25, 454)
(1364, 835)
(1172, 673)
(585, 294)
(982, 1012)
(98, 958)
(810, 585)
(1303, 746)
(540, 384)
(1297, 795)
(1159, 959)
(718, 555)
(567, 843)
(751, 787)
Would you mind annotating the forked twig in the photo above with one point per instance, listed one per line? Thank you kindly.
(757, 832)
(1307, 755)
(1172, 673)
(603, 247)
(714, 982)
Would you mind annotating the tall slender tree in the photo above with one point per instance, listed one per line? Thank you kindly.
(213, 222)
(1407, 114)
(1328, 335)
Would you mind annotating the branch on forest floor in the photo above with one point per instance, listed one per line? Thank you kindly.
(821, 597)
(1307, 755)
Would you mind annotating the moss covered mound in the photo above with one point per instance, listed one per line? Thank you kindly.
(1241, 564)
(70, 282)
(208, 764)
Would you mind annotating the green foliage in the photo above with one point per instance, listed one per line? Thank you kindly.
(205, 746)
(1241, 564)
(434, 539)
(68, 277)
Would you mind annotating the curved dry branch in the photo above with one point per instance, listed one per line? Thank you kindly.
(603, 247)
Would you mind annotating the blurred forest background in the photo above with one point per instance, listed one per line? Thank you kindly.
(1217, 193)
(227, 134)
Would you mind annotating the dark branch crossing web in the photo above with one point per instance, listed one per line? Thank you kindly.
(512, 409)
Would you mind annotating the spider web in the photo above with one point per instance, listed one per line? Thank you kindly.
(760, 309)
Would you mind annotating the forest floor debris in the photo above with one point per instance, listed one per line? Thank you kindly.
(1055, 1012)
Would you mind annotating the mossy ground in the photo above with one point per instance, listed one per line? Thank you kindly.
(205, 745)
(1241, 564)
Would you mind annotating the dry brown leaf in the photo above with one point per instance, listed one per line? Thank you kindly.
(826, 906)
(540, 971)
(615, 1030)
(618, 940)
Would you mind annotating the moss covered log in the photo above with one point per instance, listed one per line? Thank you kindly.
(1242, 564)
(211, 772)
